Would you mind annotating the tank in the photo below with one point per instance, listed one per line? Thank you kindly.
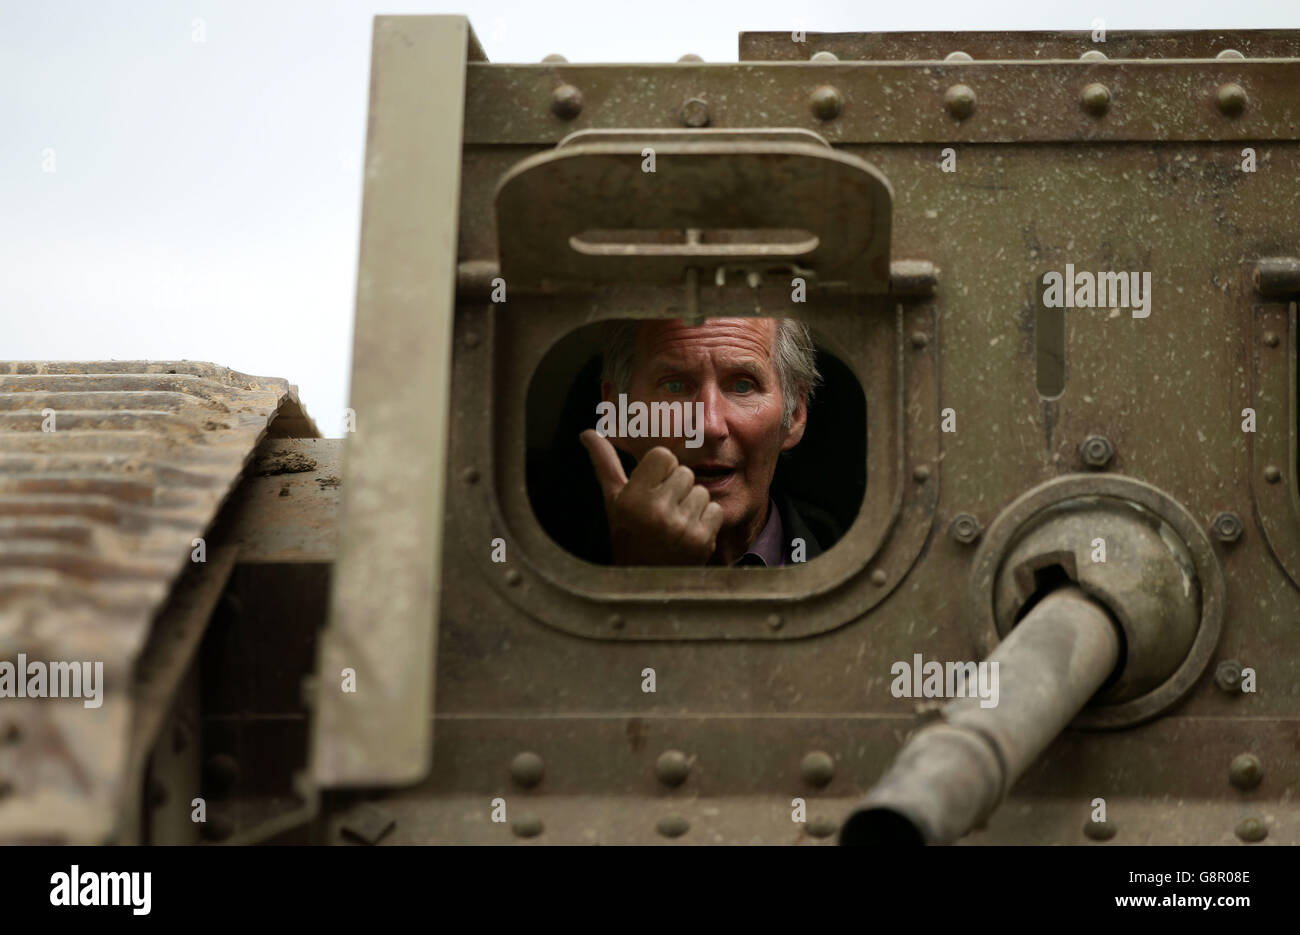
(1050, 279)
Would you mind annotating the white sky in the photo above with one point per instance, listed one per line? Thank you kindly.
(205, 199)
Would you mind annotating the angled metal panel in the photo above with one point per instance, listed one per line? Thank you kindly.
(384, 609)
(108, 473)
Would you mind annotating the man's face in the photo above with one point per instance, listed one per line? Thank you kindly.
(727, 364)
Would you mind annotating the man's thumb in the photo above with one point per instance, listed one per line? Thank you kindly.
(604, 458)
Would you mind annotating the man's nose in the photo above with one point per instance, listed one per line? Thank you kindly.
(715, 413)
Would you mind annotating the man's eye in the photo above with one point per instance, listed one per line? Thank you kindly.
(675, 386)
(744, 386)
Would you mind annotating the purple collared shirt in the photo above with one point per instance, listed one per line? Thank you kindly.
(768, 549)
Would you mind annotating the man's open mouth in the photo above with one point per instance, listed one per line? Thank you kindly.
(713, 477)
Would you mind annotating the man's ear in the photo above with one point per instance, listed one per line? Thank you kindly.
(798, 422)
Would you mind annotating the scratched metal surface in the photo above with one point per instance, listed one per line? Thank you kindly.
(1155, 184)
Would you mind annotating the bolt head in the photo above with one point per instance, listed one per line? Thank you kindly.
(774, 621)
(958, 57)
(690, 57)
(672, 826)
(920, 339)
(965, 528)
(921, 473)
(1100, 830)
(616, 621)
(879, 578)
(826, 103)
(1096, 99)
(1227, 527)
(527, 826)
(470, 475)
(566, 102)
(821, 827)
(1227, 676)
(695, 113)
(1232, 99)
(818, 768)
(672, 767)
(1271, 338)
(1252, 829)
(1272, 474)
(1093, 55)
(555, 58)
(1245, 771)
(1096, 451)
(513, 578)
(527, 769)
(1229, 53)
(824, 57)
(959, 101)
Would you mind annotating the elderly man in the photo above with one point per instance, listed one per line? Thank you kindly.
(710, 502)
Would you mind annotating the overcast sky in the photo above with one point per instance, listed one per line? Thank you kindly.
(182, 178)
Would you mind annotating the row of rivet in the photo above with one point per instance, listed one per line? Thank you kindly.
(826, 102)
(818, 769)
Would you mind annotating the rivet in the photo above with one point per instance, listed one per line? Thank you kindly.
(527, 769)
(878, 577)
(1232, 99)
(1229, 53)
(1100, 830)
(818, 768)
(1227, 526)
(920, 474)
(471, 340)
(1272, 474)
(470, 475)
(616, 621)
(695, 113)
(527, 826)
(920, 339)
(1245, 771)
(774, 621)
(826, 103)
(957, 57)
(1227, 676)
(960, 101)
(672, 826)
(1093, 55)
(1252, 829)
(690, 57)
(1271, 338)
(554, 59)
(513, 577)
(1096, 451)
(821, 827)
(672, 767)
(824, 57)
(566, 102)
(1096, 99)
(965, 528)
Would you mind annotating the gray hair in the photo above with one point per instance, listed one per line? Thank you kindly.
(794, 355)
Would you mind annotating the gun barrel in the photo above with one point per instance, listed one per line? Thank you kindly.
(951, 775)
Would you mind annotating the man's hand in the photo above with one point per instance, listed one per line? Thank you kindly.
(659, 516)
